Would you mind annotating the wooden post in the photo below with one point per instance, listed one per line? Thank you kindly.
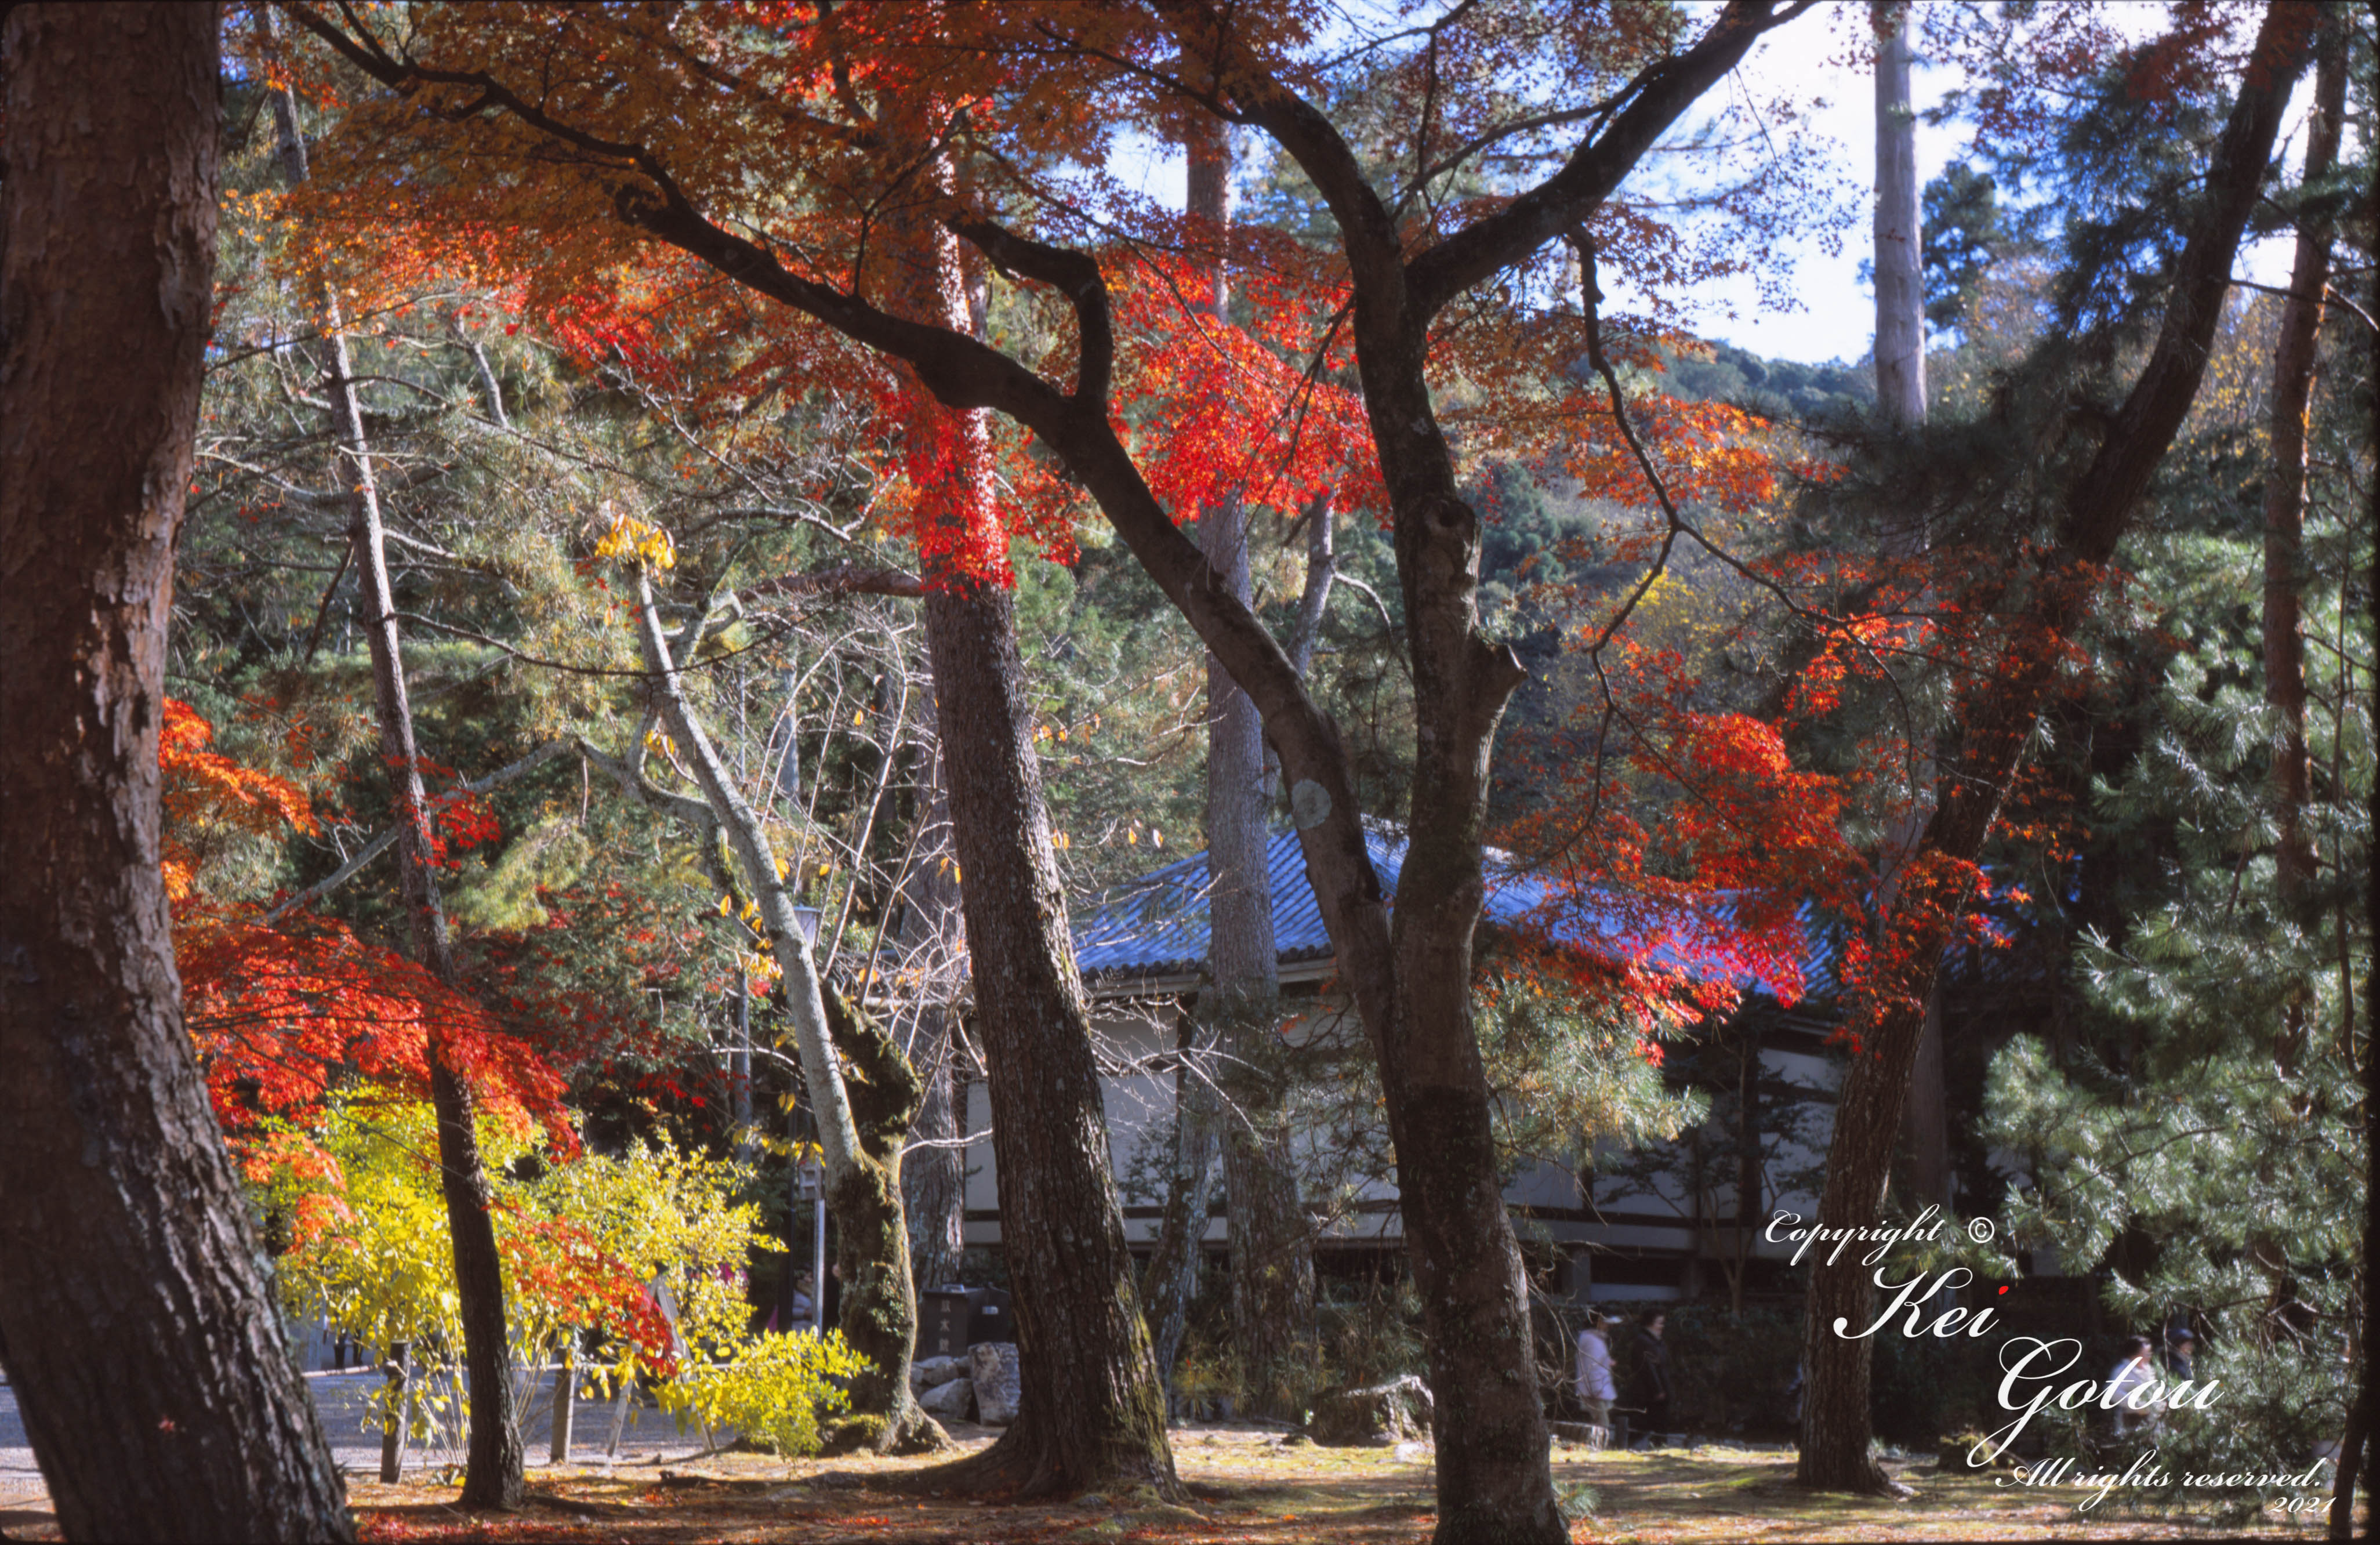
(392, 1426)
(565, 1398)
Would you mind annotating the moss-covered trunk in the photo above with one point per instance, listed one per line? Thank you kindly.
(880, 1303)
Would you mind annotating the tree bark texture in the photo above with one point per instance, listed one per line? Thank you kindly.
(1899, 229)
(495, 1461)
(1899, 262)
(137, 1322)
(1092, 1411)
(1994, 724)
(879, 1312)
(2285, 482)
(1092, 1408)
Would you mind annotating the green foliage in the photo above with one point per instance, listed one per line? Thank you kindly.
(1577, 1501)
(1573, 1072)
(1372, 1330)
(2190, 1136)
(1965, 236)
(1775, 388)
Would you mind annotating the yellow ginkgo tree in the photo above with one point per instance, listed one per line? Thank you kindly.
(645, 1249)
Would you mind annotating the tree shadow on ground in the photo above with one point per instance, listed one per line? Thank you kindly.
(1250, 1487)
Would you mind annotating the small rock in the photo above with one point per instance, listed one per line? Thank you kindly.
(927, 1373)
(1090, 1499)
(1413, 1454)
(951, 1400)
(1379, 1416)
(998, 1383)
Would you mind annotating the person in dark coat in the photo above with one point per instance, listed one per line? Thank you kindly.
(1648, 1375)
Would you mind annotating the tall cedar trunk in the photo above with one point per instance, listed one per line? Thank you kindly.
(877, 1302)
(137, 1322)
(1994, 723)
(1091, 1408)
(1899, 259)
(1091, 1411)
(2284, 640)
(1272, 1251)
(1241, 959)
(495, 1459)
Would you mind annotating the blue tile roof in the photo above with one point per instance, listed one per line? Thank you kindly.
(1156, 925)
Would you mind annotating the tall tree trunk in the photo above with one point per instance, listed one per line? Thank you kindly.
(1241, 967)
(494, 1472)
(493, 1467)
(1272, 1251)
(862, 1162)
(1899, 261)
(2284, 632)
(137, 1322)
(1995, 724)
(1899, 232)
(1092, 1410)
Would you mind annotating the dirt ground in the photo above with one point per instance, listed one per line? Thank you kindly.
(1250, 1486)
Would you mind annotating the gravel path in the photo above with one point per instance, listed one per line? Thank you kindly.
(647, 1436)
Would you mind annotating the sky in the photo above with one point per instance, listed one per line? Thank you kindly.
(1830, 311)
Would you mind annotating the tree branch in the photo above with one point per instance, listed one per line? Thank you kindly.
(1596, 168)
(381, 843)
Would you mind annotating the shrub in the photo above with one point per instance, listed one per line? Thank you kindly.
(774, 1393)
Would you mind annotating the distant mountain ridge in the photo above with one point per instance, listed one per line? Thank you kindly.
(1773, 388)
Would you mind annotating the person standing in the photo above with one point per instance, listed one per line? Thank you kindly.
(1648, 1374)
(2135, 1372)
(2181, 1352)
(1596, 1390)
